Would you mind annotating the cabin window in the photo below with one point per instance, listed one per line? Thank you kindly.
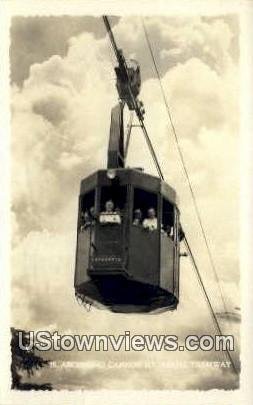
(113, 204)
(117, 194)
(87, 210)
(145, 209)
(168, 218)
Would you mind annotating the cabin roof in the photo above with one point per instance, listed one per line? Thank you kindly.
(129, 176)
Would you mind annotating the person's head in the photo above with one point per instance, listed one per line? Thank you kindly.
(137, 214)
(109, 206)
(86, 216)
(151, 213)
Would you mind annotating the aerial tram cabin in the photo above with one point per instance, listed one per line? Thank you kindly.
(121, 265)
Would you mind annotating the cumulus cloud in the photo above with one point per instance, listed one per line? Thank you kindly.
(35, 39)
(179, 39)
(60, 127)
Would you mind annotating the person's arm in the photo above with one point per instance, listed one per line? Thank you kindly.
(117, 218)
(145, 224)
(102, 218)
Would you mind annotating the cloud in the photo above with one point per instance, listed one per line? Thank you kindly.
(52, 109)
(178, 39)
(57, 118)
(60, 127)
(35, 39)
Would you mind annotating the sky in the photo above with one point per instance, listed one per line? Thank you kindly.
(63, 89)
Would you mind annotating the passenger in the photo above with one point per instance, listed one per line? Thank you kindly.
(92, 215)
(169, 231)
(137, 217)
(109, 216)
(150, 223)
(85, 220)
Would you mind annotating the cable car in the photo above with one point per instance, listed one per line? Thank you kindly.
(128, 230)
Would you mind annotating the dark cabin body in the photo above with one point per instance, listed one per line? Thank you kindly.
(123, 266)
